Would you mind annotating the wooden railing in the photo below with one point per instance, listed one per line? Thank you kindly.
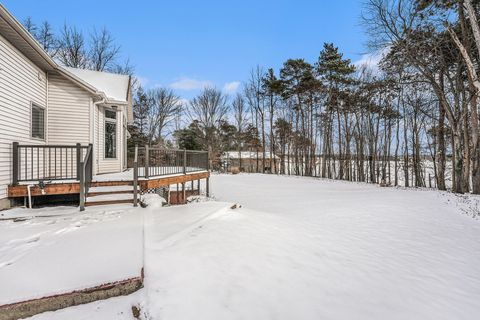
(86, 169)
(46, 162)
(154, 162)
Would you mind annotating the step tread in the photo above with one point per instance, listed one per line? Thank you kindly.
(100, 193)
(107, 202)
(110, 188)
(111, 197)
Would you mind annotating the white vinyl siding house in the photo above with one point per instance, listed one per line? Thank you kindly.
(71, 103)
(21, 84)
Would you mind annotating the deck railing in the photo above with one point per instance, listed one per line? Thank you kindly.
(47, 162)
(154, 162)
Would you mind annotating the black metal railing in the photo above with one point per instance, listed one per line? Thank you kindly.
(85, 175)
(47, 162)
(154, 162)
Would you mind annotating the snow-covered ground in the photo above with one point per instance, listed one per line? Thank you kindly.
(57, 250)
(304, 248)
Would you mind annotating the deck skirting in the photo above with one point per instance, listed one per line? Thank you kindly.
(64, 188)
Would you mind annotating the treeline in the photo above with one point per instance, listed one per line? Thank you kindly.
(432, 58)
(412, 119)
(97, 50)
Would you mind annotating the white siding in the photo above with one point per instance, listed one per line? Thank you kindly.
(21, 83)
(68, 112)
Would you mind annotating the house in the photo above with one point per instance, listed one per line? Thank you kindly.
(50, 115)
(248, 161)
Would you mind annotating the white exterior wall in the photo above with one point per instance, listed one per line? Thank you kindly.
(69, 108)
(21, 83)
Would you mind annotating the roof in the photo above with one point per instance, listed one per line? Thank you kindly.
(246, 155)
(15, 33)
(115, 87)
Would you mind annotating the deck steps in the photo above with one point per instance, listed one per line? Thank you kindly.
(111, 194)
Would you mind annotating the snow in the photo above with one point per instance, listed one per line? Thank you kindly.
(302, 248)
(246, 155)
(58, 249)
(114, 86)
(110, 189)
(110, 197)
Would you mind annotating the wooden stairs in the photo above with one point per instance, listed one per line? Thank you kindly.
(109, 192)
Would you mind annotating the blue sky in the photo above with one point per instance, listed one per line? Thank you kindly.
(187, 44)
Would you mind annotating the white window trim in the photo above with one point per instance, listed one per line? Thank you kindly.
(110, 120)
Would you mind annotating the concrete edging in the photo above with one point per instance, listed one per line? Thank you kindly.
(23, 309)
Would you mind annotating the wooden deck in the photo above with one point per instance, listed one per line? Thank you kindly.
(73, 187)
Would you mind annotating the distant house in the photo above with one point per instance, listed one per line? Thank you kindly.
(44, 104)
(248, 161)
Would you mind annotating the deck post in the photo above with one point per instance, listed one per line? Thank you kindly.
(208, 187)
(184, 198)
(177, 192)
(79, 156)
(82, 187)
(135, 178)
(208, 160)
(184, 161)
(147, 158)
(208, 179)
(15, 163)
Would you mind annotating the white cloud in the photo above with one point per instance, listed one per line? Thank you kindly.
(143, 81)
(371, 60)
(190, 84)
(184, 101)
(231, 87)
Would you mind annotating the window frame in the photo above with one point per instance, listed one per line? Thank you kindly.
(110, 121)
(44, 110)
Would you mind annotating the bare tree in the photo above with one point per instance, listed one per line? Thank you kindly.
(256, 101)
(30, 25)
(103, 50)
(166, 106)
(208, 109)
(72, 51)
(241, 121)
(46, 38)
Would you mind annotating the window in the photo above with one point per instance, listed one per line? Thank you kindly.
(38, 122)
(110, 134)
